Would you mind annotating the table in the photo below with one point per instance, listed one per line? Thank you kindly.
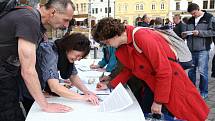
(84, 111)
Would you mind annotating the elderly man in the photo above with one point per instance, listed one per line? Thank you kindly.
(23, 30)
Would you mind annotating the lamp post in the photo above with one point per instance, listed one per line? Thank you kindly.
(108, 8)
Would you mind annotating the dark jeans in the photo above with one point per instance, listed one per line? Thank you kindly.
(9, 99)
(200, 61)
(147, 101)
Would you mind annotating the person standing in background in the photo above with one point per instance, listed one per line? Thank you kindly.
(202, 25)
(108, 60)
(179, 26)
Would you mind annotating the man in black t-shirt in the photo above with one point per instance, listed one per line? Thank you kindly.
(21, 32)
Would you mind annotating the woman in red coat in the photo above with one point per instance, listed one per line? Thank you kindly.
(165, 77)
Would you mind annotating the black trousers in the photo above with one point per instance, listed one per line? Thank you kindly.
(9, 99)
(213, 66)
(147, 101)
(27, 103)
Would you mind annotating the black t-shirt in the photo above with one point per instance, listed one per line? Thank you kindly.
(20, 23)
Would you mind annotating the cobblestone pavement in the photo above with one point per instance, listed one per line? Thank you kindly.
(211, 95)
(211, 99)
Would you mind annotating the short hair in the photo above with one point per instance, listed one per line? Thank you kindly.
(60, 5)
(144, 16)
(107, 28)
(178, 15)
(158, 21)
(74, 41)
(192, 7)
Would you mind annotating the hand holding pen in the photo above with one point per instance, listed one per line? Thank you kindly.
(93, 66)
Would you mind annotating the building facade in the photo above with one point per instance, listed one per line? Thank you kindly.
(180, 6)
(99, 8)
(131, 9)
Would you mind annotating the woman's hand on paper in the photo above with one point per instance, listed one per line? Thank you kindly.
(92, 98)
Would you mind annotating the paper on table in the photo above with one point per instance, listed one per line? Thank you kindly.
(118, 100)
(85, 68)
(91, 87)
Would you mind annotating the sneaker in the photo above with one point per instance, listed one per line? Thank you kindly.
(204, 96)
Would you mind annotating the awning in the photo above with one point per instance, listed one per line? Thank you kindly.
(80, 19)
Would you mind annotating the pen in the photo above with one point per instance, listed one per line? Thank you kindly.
(93, 61)
(102, 94)
(100, 99)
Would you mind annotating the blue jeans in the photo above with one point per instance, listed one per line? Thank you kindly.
(200, 60)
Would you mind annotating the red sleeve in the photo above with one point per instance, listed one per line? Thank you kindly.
(122, 77)
(153, 50)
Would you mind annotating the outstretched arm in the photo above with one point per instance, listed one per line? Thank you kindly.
(27, 57)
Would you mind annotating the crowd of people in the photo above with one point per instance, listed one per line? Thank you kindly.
(29, 63)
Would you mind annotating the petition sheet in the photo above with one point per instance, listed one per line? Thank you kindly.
(118, 100)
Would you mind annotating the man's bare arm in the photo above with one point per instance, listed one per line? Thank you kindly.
(27, 57)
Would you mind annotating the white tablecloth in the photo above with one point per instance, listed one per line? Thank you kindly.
(84, 111)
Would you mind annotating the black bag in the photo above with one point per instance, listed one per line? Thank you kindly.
(6, 6)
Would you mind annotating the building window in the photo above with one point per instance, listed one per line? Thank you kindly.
(153, 6)
(106, 10)
(119, 7)
(141, 6)
(137, 7)
(82, 7)
(93, 11)
(109, 9)
(96, 10)
(205, 4)
(162, 6)
(177, 5)
(126, 7)
(212, 4)
(76, 7)
(101, 0)
(85, 7)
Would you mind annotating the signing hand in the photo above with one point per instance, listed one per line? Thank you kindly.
(156, 108)
(56, 108)
(92, 66)
(104, 78)
(101, 86)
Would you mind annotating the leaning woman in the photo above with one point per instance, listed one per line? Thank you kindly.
(60, 56)
(169, 83)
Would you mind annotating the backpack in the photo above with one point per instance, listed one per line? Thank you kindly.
(178, 46)
(6, 6)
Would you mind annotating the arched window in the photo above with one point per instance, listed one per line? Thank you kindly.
(153, 6)
(137, 7)
(162, 6)
(141, 6)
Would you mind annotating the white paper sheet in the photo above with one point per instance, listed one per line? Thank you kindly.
(118, 100)
(188, 32)
(92, 87)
